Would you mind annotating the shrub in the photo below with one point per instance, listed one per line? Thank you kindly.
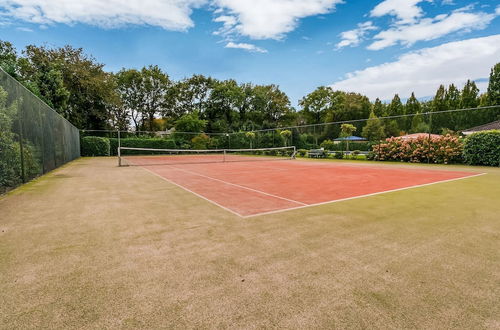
(95, 146)
(354, 154)
(302, 152)
(338, 155)
(442, 149)
(200, 142)
(328, 145)
(154, 143)
(483, 148)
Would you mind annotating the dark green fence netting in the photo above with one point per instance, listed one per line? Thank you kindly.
(34, 139)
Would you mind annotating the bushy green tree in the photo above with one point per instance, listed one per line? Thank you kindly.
(494, 85)
(374, 130)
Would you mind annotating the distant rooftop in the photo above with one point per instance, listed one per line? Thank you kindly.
(485, 127)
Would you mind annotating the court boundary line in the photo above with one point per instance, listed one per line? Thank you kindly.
(240, 186)
(304, 205)
(361, 196)
(194, 193)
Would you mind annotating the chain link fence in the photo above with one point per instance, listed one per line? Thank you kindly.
(34, 139)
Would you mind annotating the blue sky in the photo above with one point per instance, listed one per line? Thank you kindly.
(377, 48)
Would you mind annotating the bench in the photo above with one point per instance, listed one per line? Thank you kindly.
(316, 153)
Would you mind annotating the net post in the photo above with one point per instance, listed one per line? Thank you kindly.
(294, 155)
(119, 150)
(224, 156)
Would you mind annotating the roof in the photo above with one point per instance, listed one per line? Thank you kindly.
(418, 135)
(350, 138)
(485, 127)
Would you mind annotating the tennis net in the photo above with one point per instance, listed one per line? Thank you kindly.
(128, 156)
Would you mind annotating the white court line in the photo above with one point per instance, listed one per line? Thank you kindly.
(361, 196)
(303, 204)
(240, 186)
(194, 193)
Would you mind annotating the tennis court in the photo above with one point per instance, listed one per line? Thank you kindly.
(250, 185)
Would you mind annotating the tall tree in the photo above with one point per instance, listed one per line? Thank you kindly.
(155, 85)
(412, 107)
(317, 103)
(452, 99)
(378, 108)
(8, 58)
(439, 121)
(494, 85)
(374, 130)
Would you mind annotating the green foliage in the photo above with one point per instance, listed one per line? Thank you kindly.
(10, 156)
(494, 85)
(328, 145)
(190, 123)
(200, 142)
(302, 152)
(338, 155)
(374, 130)
(92, 146)
(483, 148)
(153, 143)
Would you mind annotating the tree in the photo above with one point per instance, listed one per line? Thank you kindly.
(250, 136)
(396, 108)
(494, 85)
(379, 108)
(439, 121)
(190, 122)
(91, 89)
(374, 130)
(452, 99)
(8, 58)
(412, 107)
(201, 142)
(153, 90)
(129, 82)
(317, 103)
(190, 95)
(346, 131)
(286, 134)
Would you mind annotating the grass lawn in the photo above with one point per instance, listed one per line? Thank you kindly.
(91, 245)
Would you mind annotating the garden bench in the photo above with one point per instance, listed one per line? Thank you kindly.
(316, 153)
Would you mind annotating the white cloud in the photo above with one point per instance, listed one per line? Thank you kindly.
(264, 19)
(406, 11)
(257, 19)
(431, 28)
(424, 70)
(245, 46)
(168, 14)
(354, 37)
(24, 29)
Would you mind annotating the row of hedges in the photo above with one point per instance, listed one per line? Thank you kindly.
(483, 148)
(441, 150)
(152, 143)
(101, 146)
(95, 146)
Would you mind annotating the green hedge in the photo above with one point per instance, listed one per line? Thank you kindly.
(154, 143)
(483, 148)
(95, 146)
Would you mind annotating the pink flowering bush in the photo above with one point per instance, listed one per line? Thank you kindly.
(443, 149)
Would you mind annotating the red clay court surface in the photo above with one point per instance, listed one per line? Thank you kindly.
(251, 188)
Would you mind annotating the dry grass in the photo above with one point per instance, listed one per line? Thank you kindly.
(95, 246)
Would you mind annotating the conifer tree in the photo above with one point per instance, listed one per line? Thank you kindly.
(374, 130)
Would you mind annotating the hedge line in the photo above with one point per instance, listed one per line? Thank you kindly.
(483, 148)
(154, 143)
(95, 146)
